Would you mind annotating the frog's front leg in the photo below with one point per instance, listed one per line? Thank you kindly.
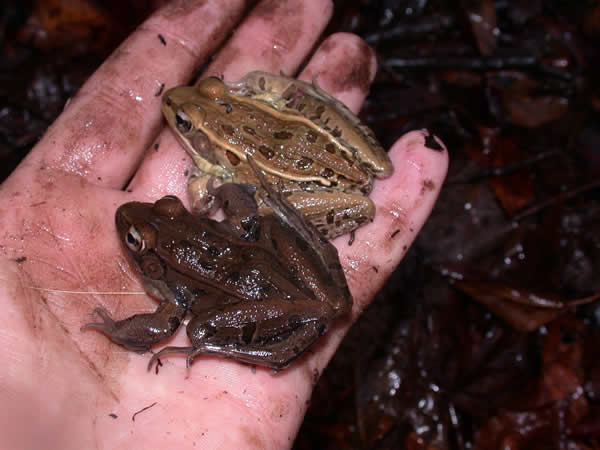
(239, 207)
(201, 201)
(140, 331)
(271, 333)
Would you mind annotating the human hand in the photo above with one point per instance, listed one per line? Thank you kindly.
(63, 388)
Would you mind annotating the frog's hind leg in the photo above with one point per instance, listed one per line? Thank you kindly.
(275, 340)
(286, 331)
(140, 331)
(277, 355)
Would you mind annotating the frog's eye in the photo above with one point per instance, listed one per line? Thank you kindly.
(183, 122)
(134, 240)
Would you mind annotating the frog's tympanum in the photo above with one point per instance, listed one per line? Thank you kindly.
(258, 289)
(310, 146)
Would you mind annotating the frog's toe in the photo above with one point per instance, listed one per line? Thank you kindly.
(190, 358)
(202, 350)
(155, 358)
(105, 326)
(168, 350)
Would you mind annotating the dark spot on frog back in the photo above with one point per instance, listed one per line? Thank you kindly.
(227, 129)
(251, 131)
(248, 333)
(349, 158)
(327, 172)
(275, 244)
(208, 331)
(243, 107)
(304, 163)
(232, 157)
(266, 152)
(283, 135)
(317, 113)
(301, 244)
(209, 266)
(199, 292)
(336, 132)
(234, 277)
(294, 322)
(311, 136)
(330, 217)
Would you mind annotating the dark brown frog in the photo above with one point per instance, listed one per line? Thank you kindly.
(258, 289)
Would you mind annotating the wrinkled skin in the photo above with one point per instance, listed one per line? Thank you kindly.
(61, 388)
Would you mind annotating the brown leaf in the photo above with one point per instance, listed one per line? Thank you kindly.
(59, 23)
(529, 109)
(482, 17)
(525, 310)
(514, 191)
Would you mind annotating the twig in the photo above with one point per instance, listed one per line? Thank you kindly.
(558, 198)
(476, 64)
(142, 410)
(504, 170)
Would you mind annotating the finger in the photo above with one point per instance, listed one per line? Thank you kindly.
(344, 66)
(277, 35)
(404, 201)
(104, 130)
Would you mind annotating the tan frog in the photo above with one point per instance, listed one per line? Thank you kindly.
(311, 148)
(258, 289)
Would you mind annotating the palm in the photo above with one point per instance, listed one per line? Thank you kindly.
(72, 389)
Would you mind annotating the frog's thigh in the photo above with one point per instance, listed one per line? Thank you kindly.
(275, 340)
(334, 213)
